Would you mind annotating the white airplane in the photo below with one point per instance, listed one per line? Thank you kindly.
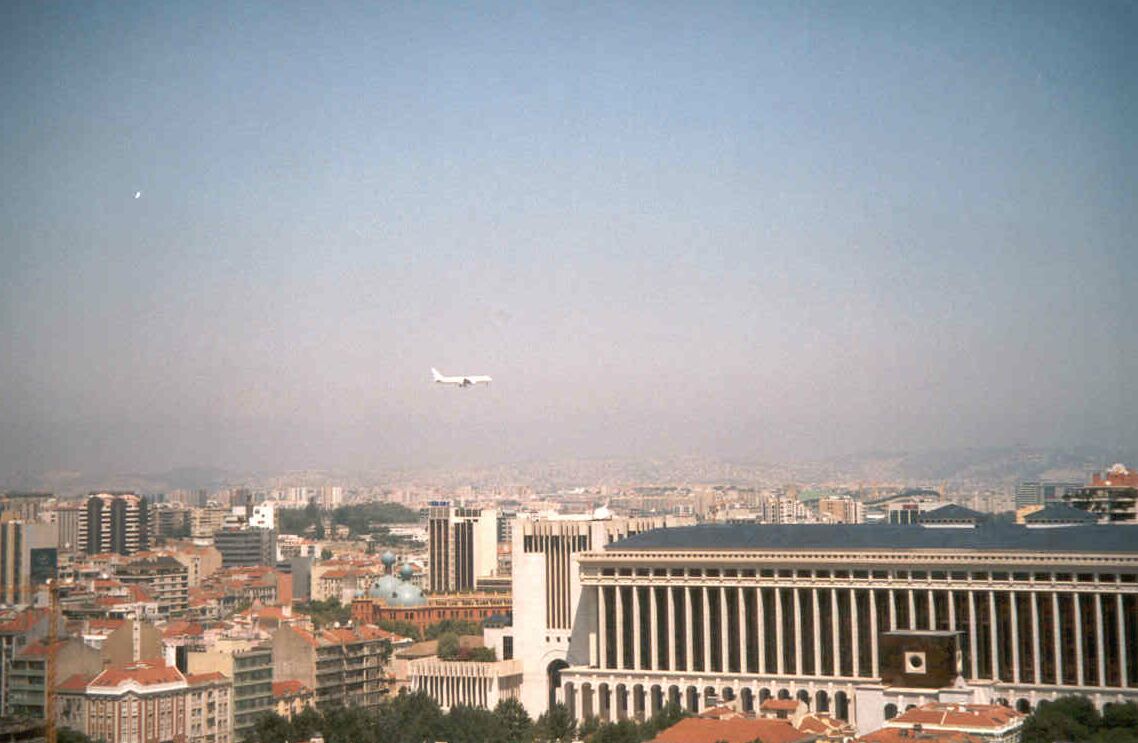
(460, 381)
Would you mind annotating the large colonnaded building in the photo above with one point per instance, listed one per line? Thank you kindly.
(861, 621)
(546, 592)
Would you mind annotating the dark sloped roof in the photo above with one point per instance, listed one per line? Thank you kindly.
(984, 537)
(952, 513)
(1060, 512)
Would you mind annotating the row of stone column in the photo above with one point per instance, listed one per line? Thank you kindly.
(1056, 640)
(450, 691)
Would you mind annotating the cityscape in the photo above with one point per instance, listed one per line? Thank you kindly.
(547, 372)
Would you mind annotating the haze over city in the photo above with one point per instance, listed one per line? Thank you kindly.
(770, 232)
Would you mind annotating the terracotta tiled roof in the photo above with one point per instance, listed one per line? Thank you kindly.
(959, 716)
(75, 682)
(788, 705)
(704, 730)
(205, 678)
(38, 648)
(289, 688)
(722, 712)
(23, 621)
(144, 673)
(306, 636)
(904, 735)
(820, 724)
(99, 624)
(181, 628)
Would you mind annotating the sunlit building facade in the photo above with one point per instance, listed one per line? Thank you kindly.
(746, 612)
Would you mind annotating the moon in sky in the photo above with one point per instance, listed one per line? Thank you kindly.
(138, 194)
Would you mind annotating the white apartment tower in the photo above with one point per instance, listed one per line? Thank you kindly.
(463, 546)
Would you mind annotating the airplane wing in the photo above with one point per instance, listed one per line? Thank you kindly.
(460, 381)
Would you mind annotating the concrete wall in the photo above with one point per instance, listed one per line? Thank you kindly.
(293, 658)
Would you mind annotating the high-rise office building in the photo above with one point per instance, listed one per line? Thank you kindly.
(114, 522)
(22, 506)
(28, 554)
(1042, 493)
(66, 517)
(1028, 494)
(244, 547)
(463, 546)
(841, 510)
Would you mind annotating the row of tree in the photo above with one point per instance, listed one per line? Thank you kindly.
(416, 718)
(361, 519)
(1074, 719)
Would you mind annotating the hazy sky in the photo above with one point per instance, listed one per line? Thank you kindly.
(751, 230)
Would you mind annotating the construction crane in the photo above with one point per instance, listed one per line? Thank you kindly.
(49, 731)
(27, 591)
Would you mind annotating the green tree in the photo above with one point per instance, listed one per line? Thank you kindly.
(271, 728)
(1069, 718)
(327, 612)
(448, 647)
(481, 655)
(326, 554)
(410, 718)
(347, 725)
(400, 627)
(669, 715)
(516, 725)
(1120, 716)
(556, 726)
(455, 626)
(625, 731)
(588, 727)
(471, 725)
(363, 518)
(306, 723)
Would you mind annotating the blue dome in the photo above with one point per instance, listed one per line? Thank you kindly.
(406, 572)
(408, 595)
(385, 588)
(388, 559)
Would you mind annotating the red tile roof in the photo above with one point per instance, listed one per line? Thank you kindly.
(23, 621)
(39, 647)
(788, 705)
(181, 628)
(704, 730)
(904, 735)
(143, 673)
(205, 678)
(75, 682)
(960, 715)
(821, 724)
(289, 688)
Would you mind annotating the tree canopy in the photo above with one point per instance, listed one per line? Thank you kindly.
(1075, 719)
(416, 718)
(361, 518)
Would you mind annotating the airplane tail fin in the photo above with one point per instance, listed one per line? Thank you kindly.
(435, 374)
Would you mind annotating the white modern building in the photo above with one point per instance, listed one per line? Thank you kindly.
(463, 546)
(547, 616)
(469, 683)
(852, 619)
